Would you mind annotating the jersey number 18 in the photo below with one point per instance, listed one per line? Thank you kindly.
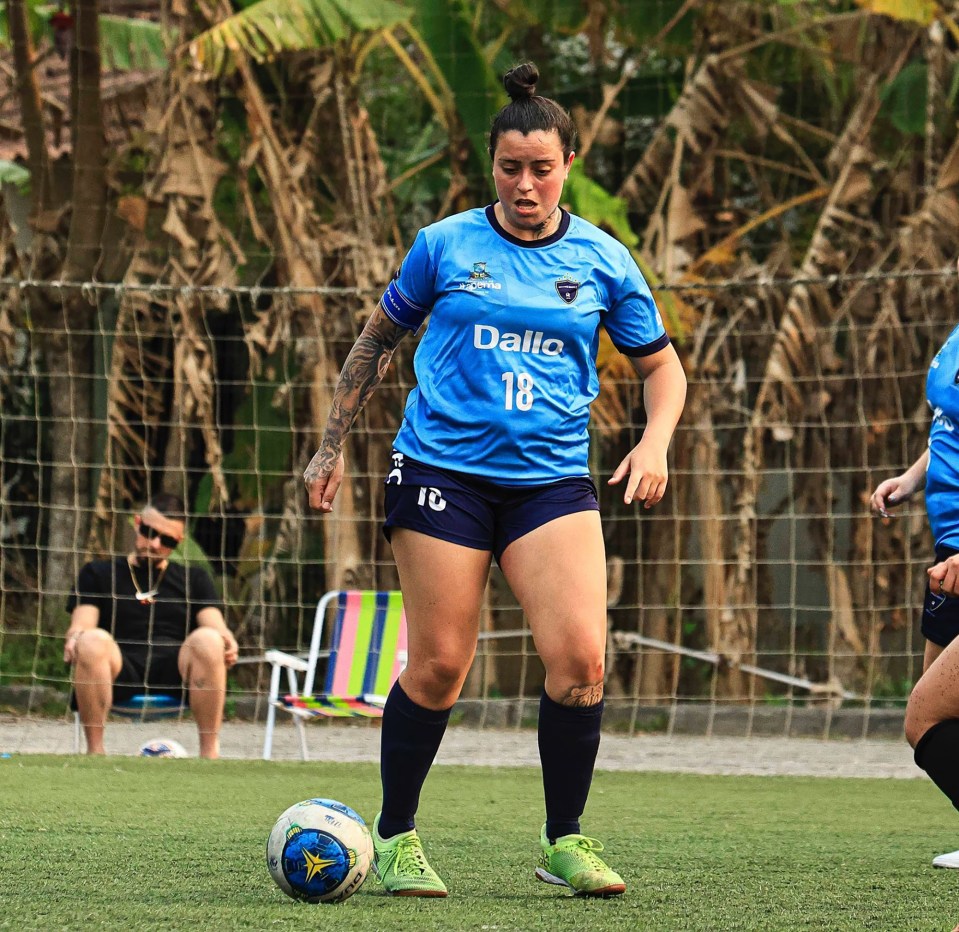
(519, 390)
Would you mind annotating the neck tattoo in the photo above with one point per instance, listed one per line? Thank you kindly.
(548, 226)
(149, 596)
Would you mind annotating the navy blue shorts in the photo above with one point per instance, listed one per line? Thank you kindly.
(475, 513)
(153, 670)
(940, 613)
(146, 671)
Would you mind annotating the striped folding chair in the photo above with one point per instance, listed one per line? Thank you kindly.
(365, 654)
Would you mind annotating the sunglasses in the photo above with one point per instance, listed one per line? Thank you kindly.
(150, 532)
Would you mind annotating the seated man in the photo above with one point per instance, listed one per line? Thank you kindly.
(141, 620)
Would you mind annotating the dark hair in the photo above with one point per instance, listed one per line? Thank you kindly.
(169, 505)
(527, 112)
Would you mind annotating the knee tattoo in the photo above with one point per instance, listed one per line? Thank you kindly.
(583, 696)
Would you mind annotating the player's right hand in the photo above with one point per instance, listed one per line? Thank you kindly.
(323, 480)
(888, 494)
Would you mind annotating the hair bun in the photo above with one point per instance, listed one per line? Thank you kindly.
(520, 82)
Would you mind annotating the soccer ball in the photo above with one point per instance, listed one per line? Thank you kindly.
(162, 747)
(319, 851)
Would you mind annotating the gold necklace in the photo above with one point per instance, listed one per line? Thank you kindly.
(148, 597)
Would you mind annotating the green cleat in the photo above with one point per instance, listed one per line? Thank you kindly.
(401, 865)
(573, 862)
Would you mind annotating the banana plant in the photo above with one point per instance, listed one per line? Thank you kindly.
(591, 201)
(452, 69)
(270, 28)
(16, 175)
(909, 11)
(449, 67)
(127, 44)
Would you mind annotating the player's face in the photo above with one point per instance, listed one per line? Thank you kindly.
(529, 172)
(157, 535)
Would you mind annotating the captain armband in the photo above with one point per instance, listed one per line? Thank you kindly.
(401, 310)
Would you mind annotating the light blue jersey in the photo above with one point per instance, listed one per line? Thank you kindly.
(506, 370)
(942, 477)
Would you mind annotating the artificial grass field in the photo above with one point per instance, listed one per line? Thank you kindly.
(136, 844)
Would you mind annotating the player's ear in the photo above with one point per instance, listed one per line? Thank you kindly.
(569, 162)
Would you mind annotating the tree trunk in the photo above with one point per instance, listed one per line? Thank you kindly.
(69, 345)
(68, 355)
(89, 151)
(28, 94)
(304, 254)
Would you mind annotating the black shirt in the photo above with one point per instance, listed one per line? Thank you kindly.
(182, 594)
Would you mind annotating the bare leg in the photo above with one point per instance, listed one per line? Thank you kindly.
(558, 574)
(931, 654)
(443, 587)
(96, 666)
(203, 668)
(934, 698)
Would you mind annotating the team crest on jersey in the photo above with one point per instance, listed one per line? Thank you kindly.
(567, 288)
(479, 279)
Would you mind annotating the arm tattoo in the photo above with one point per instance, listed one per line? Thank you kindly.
(362, 372)
(581, 697)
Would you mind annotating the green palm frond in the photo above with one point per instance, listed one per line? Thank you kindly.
(125, 44)
(38, 15)
(132, 44)
(271, 27)
(15, 174)
(445, 27)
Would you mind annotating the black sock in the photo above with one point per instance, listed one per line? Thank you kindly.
(409, 741)
(938, 754)
(568, 742)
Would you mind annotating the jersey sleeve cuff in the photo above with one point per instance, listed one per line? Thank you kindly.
(638, 351)
(402, 311)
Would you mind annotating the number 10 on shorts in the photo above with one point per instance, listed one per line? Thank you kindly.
(519, 390)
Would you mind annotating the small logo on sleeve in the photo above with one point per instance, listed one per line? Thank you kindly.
(567, 288)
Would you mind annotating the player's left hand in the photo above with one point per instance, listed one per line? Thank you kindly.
(944, 577)
(231, 650)
(648, 474)
(70, 646)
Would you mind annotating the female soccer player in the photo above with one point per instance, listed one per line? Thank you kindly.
(491, 460)
(932, 714)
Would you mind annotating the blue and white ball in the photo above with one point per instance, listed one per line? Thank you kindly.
(162, 747)
(319, 851)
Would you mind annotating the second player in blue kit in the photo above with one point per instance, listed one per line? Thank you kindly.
(491, 461)
(932, 714)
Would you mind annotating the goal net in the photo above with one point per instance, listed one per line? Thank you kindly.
(760, 596)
